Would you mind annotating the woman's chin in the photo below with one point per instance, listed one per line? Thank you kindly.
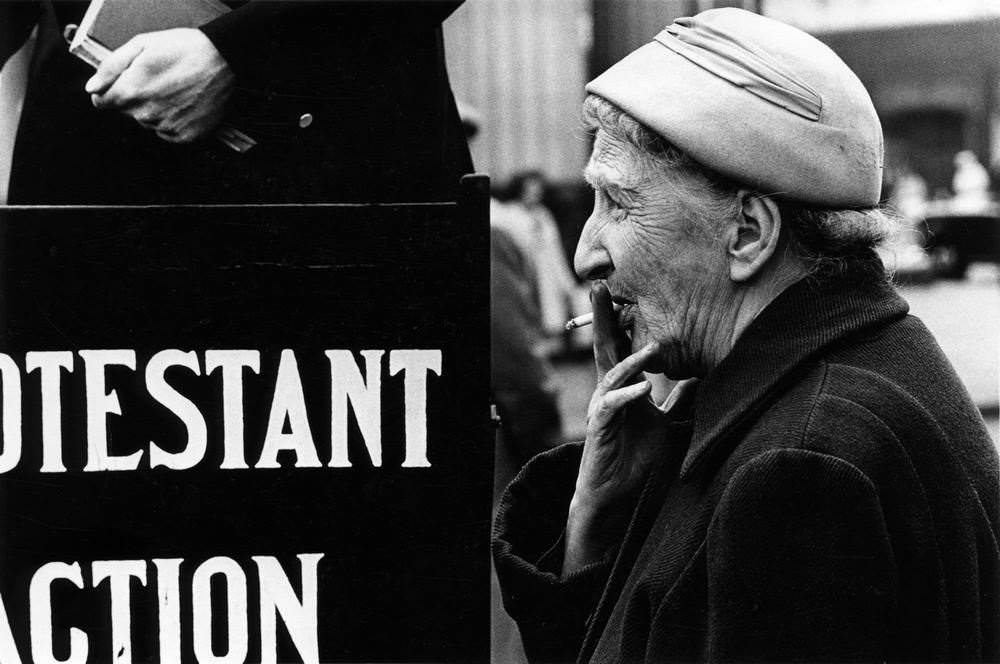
(667, 362)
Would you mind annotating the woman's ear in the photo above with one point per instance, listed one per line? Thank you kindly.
(753, 239)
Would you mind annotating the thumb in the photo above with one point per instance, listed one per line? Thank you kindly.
(610, 343)
(113, 66)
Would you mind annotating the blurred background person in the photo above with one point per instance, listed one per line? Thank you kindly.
(522, 378)
(531, 225)
(909, 194)
(971, 183)
(522, 382)
(903, 252)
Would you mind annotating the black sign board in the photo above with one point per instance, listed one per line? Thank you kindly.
(245, 433)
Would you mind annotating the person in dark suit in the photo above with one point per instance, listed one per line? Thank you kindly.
(819, 487)
(348, 101)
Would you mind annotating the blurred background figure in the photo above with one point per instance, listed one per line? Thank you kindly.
(909, 194)
(971, 183)
(904, 252)
(522, 380)
(531, 225)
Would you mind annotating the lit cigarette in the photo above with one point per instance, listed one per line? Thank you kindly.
(587, 319)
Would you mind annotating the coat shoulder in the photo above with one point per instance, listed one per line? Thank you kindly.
(916, 447)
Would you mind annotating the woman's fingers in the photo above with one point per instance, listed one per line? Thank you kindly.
(627, 369)
(611, 403)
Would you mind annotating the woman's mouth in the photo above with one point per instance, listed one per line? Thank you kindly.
(625, 312)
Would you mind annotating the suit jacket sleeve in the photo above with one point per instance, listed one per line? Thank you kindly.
(252, 35)
(799, 562)
(551, 613)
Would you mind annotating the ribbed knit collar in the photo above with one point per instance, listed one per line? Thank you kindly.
(802, 320)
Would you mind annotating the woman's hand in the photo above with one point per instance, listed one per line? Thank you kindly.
(625, 438)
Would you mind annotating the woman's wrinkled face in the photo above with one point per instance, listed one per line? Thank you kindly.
(644, 242)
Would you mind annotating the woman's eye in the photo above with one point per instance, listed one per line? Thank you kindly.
(612, 206)
(611, 202)
(616, 208)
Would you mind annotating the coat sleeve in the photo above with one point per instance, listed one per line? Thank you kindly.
(551, 613)
(799, 563)
(254, 34)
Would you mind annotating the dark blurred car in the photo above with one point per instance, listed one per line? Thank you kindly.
(956, 238)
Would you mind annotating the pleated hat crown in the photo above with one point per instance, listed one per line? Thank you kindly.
(758, 101)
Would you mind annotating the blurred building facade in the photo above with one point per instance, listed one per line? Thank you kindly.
(932, 67)
(521, 65)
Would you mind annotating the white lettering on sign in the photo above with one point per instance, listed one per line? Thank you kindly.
(179, 405)
(11, 378)
(415, 364)
(50, 365)
(355, 387)
(40, 596)
(100, 403)
(232, 363)
(289, 405)
(119, 574)
(237, 641)
(297, 610)
(364, 394)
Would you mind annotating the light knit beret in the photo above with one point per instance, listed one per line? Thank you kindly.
(758, 101)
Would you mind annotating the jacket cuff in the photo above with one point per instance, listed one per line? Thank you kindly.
(251, 38)
(551, 612)
(253, 35)
(235, 48)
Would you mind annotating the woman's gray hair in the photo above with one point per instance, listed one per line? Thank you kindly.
(824, 239)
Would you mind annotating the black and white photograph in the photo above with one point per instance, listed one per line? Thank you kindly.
(508, 331)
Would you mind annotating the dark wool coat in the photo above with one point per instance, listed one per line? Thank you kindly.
(369, 75)
(834, 498)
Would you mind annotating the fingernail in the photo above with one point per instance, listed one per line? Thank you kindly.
(90, 85)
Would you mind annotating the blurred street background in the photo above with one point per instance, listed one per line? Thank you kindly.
(518, 68)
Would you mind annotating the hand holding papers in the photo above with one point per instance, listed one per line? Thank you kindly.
(153, 66)
(173, 82)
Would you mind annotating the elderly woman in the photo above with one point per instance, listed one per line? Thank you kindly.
(823, 488)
